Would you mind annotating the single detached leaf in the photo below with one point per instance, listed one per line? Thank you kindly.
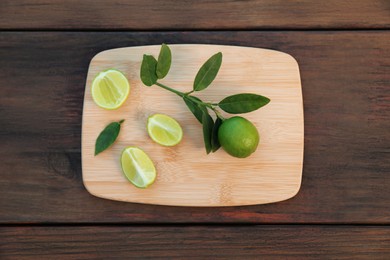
(148, 70)
(164, 61)
(208, 124)
(243, 103)
(208, 72)
(195, 108)
(107, 137)
(214, 138)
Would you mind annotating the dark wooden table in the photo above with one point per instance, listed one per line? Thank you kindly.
(343, 207)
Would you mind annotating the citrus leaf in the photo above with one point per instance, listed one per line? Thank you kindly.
(214, 138)
(208, 72)
(164, 61)
(195, 108)
(208, 124)
(243, 103)
(148, 70)
(108, 136)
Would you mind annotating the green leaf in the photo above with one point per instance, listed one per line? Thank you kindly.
(164, 61)
(148, 70)
(214, 138)
(108, 136)
(208, 124)
(243, 103)
(208, 72)
(195, 108)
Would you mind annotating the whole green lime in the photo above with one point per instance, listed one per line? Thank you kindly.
(238, 137)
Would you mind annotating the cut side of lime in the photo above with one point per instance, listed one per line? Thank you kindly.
(110, 89)
(138, 167)
(164, 130)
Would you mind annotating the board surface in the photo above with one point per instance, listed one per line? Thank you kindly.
(186, 175)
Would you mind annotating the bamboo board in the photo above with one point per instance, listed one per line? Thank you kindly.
(186, 175)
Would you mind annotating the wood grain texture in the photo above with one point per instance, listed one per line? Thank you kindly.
(345, 81)
(186, 14)
(186, 175)
(200, 242)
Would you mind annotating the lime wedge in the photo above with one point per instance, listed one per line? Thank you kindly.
(164, 130)
(138, 167)
(110, 89)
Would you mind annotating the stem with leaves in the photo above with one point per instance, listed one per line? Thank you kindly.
(152, 70)
(187, 96)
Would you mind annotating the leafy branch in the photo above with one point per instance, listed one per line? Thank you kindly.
(152, 70)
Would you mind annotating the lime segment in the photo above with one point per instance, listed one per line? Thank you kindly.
(110, 89)
(164, 130)
(138, 167)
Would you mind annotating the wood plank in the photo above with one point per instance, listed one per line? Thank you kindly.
(237, 242)
(345, 80)
(186, 174)
(186, 14)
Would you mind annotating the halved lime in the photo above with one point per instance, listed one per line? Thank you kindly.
(138, 167)
(110, 89)
(164, 130)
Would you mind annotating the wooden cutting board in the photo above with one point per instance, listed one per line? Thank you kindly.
(186, 175)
